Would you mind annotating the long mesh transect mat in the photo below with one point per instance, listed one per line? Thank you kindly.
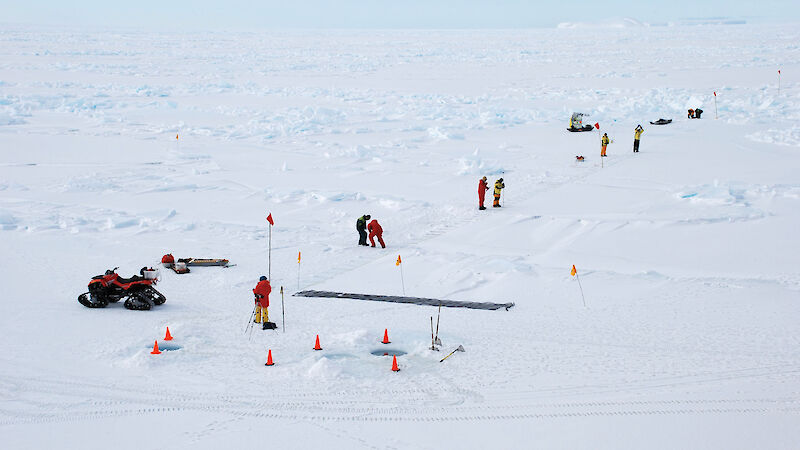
(409, 300)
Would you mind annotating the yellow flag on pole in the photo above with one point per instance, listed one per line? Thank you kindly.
(574, 271)
(398, 261)
(298, 257)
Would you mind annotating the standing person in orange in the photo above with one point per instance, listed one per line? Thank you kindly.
(482, 188)
(375, 231)
(262, 291)
(604, 141)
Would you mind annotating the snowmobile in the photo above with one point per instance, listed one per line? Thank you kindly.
(576, 123)
(137, 291)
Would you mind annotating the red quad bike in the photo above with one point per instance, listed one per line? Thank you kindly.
(137, 291)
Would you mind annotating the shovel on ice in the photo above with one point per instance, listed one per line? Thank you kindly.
(459, 349)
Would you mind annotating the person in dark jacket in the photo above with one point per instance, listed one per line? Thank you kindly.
(604, 141)
(637, 134)
(361, 226)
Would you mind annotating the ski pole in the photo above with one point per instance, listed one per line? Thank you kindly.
(283, 315)
(436, 339)
(433, 346)
(250, 322)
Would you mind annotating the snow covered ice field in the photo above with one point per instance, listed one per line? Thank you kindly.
(687, 251)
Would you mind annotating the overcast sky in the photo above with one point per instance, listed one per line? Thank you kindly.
(244, 14)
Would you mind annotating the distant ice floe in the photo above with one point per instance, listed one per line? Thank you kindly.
(780, 136)
(474, 165)
(9, 116)
(625, 22)
(304, 197)
(733, 193)
(7, 220)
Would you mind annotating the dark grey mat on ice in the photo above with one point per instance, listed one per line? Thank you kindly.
(410, 300)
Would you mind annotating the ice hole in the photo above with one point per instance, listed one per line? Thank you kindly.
(387, 352)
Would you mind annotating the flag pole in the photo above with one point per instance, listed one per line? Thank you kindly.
(779, 81)
(574, 273)
(269, 255)
(402, 281)
(716, 116)
(581, 287)
(283, 314)
(597, 125)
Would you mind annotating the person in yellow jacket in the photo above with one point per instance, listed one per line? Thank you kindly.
(637, 134)
(498, 186)
(604, 141)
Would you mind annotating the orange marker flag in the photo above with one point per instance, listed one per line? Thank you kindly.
(269, 219)
(298, 257)
(176, 137)
(574, 271)
(399, 261)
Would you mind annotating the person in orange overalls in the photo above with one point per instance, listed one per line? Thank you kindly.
(262, 291)
(482, 188)
(375, 231)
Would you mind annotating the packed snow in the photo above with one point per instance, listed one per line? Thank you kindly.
(118, 147)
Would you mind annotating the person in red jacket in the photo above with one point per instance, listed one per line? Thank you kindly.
(262, 291)
(375, 231)
(482, 188)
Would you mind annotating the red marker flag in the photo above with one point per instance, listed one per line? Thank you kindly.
(779, 71)
(715, 93)
(399, 261)
(269, 219)
(597, 125)
(298, 257)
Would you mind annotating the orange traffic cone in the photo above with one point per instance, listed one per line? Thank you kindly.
(155, 349)
(168, 337)
(316, 345)
(269, 359)
(394, 364)
(385, 336)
